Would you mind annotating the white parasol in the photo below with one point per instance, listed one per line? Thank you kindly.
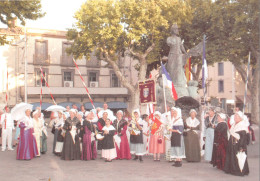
(241, 158)
(55, 108)
(18, 111)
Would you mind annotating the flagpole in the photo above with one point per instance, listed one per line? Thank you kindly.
(165, 106)
(203, 70)
(248, 66)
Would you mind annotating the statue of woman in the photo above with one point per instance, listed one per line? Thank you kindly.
(176, 62)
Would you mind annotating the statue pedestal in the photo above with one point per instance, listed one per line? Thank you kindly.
(181, 91)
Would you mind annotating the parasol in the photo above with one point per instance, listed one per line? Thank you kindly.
(241, 158)
(18, 111)
(55, 108)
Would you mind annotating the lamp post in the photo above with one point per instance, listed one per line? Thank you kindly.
(25, 68)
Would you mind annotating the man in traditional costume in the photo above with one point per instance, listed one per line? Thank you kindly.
(236, 153)
(192, 138)
(7, 129)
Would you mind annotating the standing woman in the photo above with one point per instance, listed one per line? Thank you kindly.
(100, 124)
(37, 125)
(55, 128)
(60, 134)
(89, 151)
(71, 145)
(136, 138)
(191, 138)
(108, 147)
(146, 132)
(210, 124)
(176, 128)
(27, 147)
(123, 149)
(220, 142)
(237, 144)
(156, 146)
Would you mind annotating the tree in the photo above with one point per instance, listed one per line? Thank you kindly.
(18, 9)
(110, 27)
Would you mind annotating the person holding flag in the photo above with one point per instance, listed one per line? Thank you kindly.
(156, 139)
(176, 128)
(136, 138)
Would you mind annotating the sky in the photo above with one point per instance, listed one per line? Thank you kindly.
(59, 14)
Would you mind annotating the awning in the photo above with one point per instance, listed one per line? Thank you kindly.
(240, 98)
(44, 105)
(117, 105)
(89, 106)
(64, 104)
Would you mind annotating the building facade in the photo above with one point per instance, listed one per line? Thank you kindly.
(46, 50)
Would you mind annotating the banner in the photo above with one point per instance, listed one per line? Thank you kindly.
(147, 91)
(155, 126)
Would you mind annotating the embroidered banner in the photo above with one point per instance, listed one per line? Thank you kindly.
(147, 91)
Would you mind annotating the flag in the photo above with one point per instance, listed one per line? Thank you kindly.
(188, 70)
(155, 126)
(168, 82)
(204, 67)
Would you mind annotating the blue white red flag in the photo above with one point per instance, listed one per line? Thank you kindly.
(168, 82)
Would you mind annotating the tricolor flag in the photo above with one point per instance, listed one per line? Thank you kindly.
(204, 67)
(167, 81)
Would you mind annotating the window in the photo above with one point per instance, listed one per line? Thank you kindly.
(66, 59)
(41, 52)
(221, 86)
(38, 76)
(114, 80)
(93, 78)
(67, 76)
(220, 69)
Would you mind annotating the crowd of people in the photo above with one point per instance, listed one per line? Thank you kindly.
(83, 135)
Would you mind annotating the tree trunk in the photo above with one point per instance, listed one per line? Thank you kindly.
(134, 100)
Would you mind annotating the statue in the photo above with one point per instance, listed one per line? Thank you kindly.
(176, 63)
(177, 58)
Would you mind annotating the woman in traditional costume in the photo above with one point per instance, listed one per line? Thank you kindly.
(27, 147)
(60, 134)
(71, 145)
(176, 128)
(100, 124)
(89, 151)
(192, 138)
(210, 124)
(108, 147)
(236, 153)
(220, 142)
(156, 146)
(55, 129)
(136, 138)
(37, 125)
(121, 141)
(146, 132)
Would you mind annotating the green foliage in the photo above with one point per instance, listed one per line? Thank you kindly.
(112, 26)
(19, 9)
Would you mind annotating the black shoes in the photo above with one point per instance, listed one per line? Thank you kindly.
(177, 164)
(135, 158)
(140, 158)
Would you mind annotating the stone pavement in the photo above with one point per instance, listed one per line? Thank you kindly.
(50, 168)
